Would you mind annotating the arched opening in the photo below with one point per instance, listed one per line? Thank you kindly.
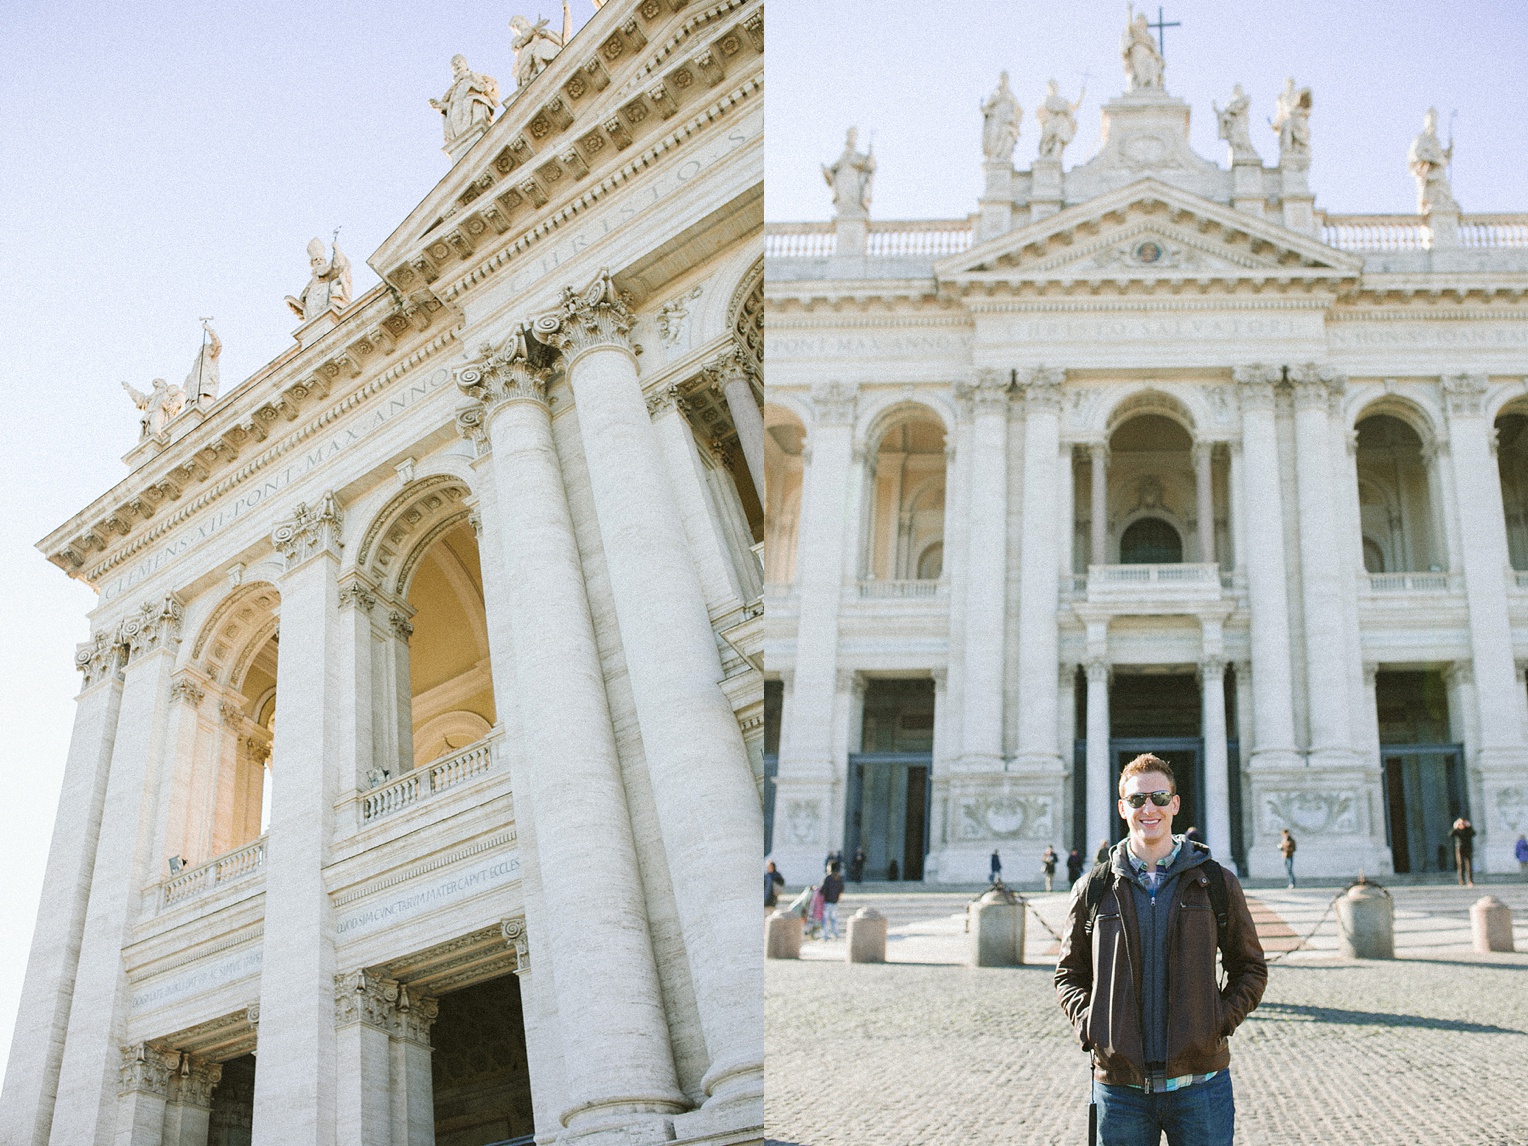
(1512, 464)
(1395, 505)
(904, 538)
(1150, 541)
(784, 440)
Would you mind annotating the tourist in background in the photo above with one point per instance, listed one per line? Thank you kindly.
(1463, 835)
(1048, 865)
(773, 882)
(1073, 866)
(1102, 854)
(1192, 835)
(832, 888)
(857, 866)
(995, 867)
(893, 872)
(1287, 850)
(1521, 851)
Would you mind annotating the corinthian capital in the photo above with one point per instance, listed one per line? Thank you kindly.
(98, 658)
(515, 371)
(1256, 383)
(1315, 385)
(413, 1018)
(987, 391)
(833, 403)
(515, 936)
(195, 1079)
(596, 316)
(155, 625)
(1041, 386)
(147, 1069)
(363, 998)
(1465, 394)
(311, 530)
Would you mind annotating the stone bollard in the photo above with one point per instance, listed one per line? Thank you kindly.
(782, 936)
(1366, 920)
(996, 924)
(1491, 925)
(867, 936)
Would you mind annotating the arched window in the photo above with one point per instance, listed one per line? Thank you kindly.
(1150, 541)
(931, 562)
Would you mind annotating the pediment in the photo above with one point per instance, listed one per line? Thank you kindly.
(1148, 232)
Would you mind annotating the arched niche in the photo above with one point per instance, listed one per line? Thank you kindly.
(905, 506)
(1150, 478)
(1396, 506)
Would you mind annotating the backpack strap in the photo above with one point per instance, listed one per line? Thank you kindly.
(1219, 901)
(1099, 881)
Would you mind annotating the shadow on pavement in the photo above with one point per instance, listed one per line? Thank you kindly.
(1374, 1018)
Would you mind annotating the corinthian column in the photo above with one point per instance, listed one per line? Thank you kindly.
(87, 1080)
(747, 418)
(1204, 497)
(1263, 507)
(1098, 488)
(295, 1086)
(1217, 780)
(986, 584)
(618, 1064)
(1039, 585)
(708, 807)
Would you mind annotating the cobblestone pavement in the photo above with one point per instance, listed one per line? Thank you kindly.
(1429, 1049)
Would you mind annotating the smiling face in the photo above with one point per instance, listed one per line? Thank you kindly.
(1149, 824)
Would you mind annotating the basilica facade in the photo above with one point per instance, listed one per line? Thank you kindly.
(1148, 452)
(414, 788)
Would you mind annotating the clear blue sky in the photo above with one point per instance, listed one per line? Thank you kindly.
(161, 161)
(913, 75)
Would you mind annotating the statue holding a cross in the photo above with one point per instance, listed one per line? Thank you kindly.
(1143, 59)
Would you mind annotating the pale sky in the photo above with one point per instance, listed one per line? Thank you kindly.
(913, 84)
(159, 162)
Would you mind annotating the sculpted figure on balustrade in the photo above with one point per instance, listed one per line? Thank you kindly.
(1235, 127)
(157, 407)
(328, 284)
(850, 177)
(1143, 61)
(1429, 160)
(1000, 122)
(1058, 121)
(535, 45)
(1291, 119)
(468, 102)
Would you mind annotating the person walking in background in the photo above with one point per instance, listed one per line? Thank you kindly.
(995, 867)
(893, 872)
(1192, 836)
(1048, 865)
(1102, 854)
(1521, 852)
(1287, 850)
(832, 888)
(1463, 835)
(857, 866)
(773, 882)
(1073, 866)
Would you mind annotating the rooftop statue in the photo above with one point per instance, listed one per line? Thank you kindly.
(1291, 119)
(468, 102)
(1143, 62)
(328, 286)
(157, 407)
(1058, 121)
(202, 381)
(1429, 160)
(850, 178)
(1235, 127)
(536, 45)
(1000, 122)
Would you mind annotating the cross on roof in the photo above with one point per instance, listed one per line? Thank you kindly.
(1161, 26)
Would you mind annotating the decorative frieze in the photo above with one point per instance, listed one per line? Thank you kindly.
(310, 531)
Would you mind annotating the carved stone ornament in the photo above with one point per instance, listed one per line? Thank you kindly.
(472, 424)
(194, 1081)
(413, 1017)
(146, 1069)
(1428, 160)
(1512, 808)
(363, 998)
(596, 316)
(851, 177)
(310, 531)
(1465, 394)
(1314, 813)
(155, 625)
(833, 403)
(1000, 122)
(987, 392)
(98, 658)
(518, 938)
(184, 688)
(535, 46)
(1143, 60)
(663, 399)
(1041, 386)
(1004, 816)
(803, 821)
(467, 107)
(357, 595)
(1291, 119)
(516, 371)
(400, 625)
(1234, 120)
(156, 408)
(1255, 384)
(328, 283)
(1058, 122)
(1315, 385)
(674, 317)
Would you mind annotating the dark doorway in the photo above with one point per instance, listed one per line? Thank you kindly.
(774, 705)
(1159, 713)
(233, 1104)
(1150, 541)
(482, 1083)
(887, 810)
(1424, 773)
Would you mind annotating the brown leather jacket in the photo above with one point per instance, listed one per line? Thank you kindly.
(1099, 984)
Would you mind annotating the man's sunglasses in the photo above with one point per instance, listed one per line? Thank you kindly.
(1160, 799)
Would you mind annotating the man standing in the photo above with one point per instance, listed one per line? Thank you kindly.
(1048, 866)
(1137, 977)
(1520, 850)
(1463, 834)
(832, 888)
(1287, 850)
(995, 867)
(773, 882)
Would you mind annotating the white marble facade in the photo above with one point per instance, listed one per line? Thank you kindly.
(464, 587)
(1181, 424)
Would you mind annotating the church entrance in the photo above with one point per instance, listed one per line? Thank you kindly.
(1424, 772)
(888, 805)
(1159, 713)
(478, 1067)
(231, 1120)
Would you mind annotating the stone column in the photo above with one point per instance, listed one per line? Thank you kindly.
(400, 696)
(1038, 575)
(37, 1047)
(413, 1090)
(610, 1017)
(1263, 510)
(363, 1020)
(1321, 565)
(1217, 780)
(986, 584)
(188, 1109)
(1503, 755)
(143, 1085)
(1204, 496)
(295, 1086)
(1098, 486)
(807, 768)
(87, 1080)
(747, 418)
(693, 747)
(358, 601)
(1101, 792)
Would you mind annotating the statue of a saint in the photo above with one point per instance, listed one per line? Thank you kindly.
(1234, 127)
(202, 381)
(535, 45)
(328, 286)
(1000, 122)
(1058, 121)
(1429, 160)
(468, 102)
(1143, 62)
(1291, 119)
(850, 178)
(156, 408)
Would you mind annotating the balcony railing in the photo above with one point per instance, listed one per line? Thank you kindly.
(907, 590)
(1410, 232)
(424, 782)
(927, 238)
(1432, 582)
(234, 865)
(1176, 582)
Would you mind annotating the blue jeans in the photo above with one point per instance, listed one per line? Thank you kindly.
(1200, 1115)
(1289, 869)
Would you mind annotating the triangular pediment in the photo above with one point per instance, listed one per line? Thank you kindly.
(1144, 233)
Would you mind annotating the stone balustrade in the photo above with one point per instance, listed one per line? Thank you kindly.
(872, 587)
(423, 782)
(890, 239)
(1431, 582)
(1411, 233)
(1182, 583)
(224, 869)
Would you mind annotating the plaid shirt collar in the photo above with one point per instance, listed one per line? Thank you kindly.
(1138, 865)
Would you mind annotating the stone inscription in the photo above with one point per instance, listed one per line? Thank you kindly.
(869, 345)
(1169, 328)
(198, 979)
(493, 873)
(304, 459)
(1449, 336)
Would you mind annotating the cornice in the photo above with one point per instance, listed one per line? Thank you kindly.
(1425, 310)
(952, 320)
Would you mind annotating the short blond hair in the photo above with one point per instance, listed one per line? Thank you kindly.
(1146, 762)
